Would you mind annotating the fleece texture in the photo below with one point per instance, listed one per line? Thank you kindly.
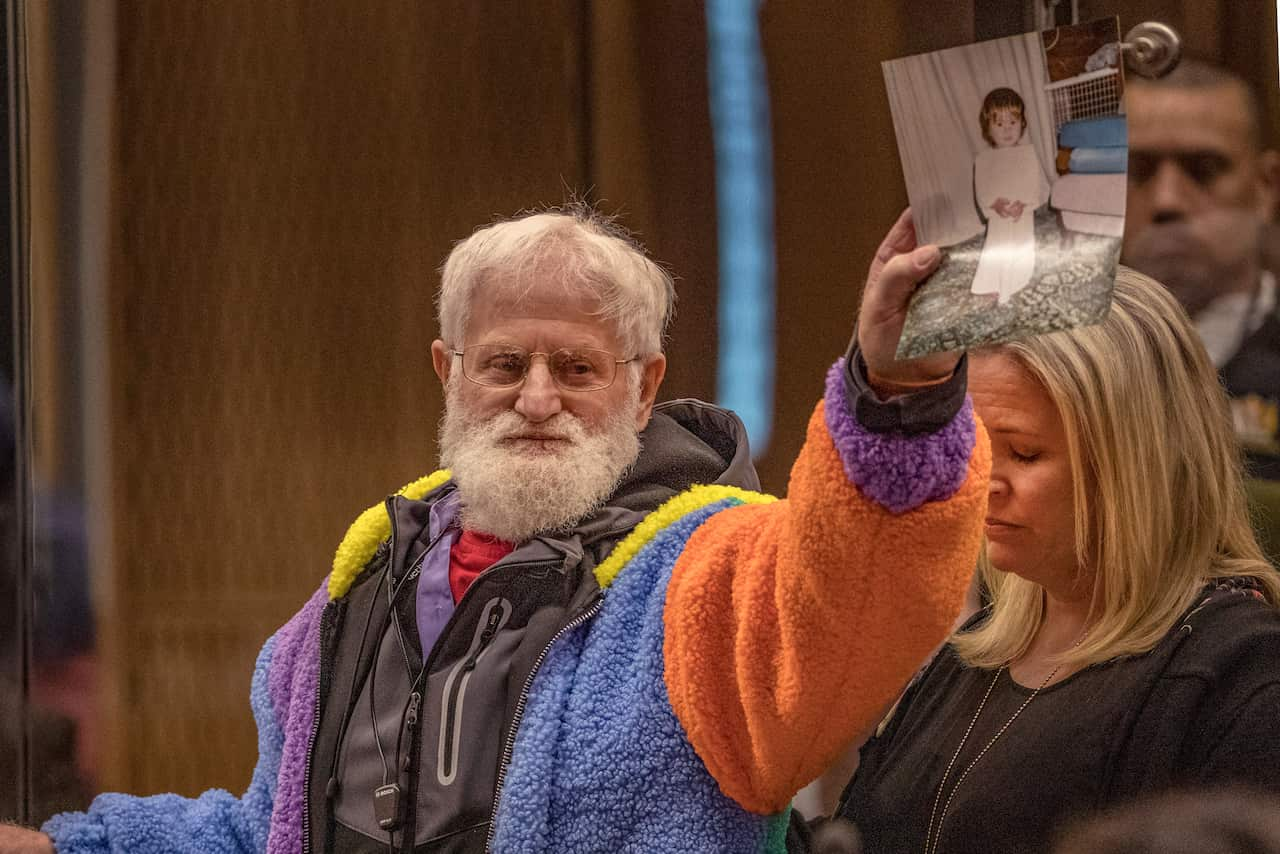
(836, 599)
(268, 816)
(898, 472)
(215, 821)
(293, 687)
(669, 512)
(740, 643)
(368, 531)
(754, 699)
(601, 763)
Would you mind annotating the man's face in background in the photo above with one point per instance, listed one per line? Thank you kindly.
(1199, 189)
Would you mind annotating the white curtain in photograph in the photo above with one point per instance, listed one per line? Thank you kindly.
(936, 99)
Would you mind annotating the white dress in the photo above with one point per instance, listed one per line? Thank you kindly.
(1009, 252)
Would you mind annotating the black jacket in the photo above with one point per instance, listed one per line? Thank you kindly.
(454, 726)
(1254, 373)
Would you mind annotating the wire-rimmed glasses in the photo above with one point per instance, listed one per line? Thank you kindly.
(571, 368)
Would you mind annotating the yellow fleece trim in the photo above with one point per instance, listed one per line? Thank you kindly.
(368, 530)
(694, 498)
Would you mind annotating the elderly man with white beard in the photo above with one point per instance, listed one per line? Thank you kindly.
(591, 631)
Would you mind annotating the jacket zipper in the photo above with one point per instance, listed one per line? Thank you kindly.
(326, 639)
(509, 744)
(429, 658)
(325, 615)
(306, 776)
(495, 615)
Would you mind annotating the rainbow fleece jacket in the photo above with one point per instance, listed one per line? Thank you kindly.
(737, 643)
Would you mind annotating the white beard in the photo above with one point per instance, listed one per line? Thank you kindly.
(514, 493)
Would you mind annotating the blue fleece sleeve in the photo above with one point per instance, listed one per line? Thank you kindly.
(216, 821)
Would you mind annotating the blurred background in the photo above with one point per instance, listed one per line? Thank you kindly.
(224, 221)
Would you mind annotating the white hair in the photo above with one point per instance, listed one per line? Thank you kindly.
(575, 247)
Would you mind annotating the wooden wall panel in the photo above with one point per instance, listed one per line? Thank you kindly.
(836, 174)
(288, 175)
(837, 178)
(838, 186)
(652, 158)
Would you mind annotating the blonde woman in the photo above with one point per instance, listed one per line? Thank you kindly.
(1132, 643)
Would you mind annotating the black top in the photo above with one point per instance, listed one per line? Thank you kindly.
(1200, 708)
(511, 613)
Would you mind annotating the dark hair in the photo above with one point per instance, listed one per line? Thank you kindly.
(1224, 821)
(1003, 98)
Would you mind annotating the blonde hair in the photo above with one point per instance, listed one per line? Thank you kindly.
(1157, 480)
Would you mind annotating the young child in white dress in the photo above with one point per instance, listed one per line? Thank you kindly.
(1009, 185)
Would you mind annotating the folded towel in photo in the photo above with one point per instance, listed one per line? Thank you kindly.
(1102, 194)
(1094, 133)
(1109, 159)
(1104, 224)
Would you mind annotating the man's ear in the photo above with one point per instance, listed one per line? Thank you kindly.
(441, 360)
(655, 368)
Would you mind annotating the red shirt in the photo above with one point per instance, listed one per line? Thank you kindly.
(472, 553)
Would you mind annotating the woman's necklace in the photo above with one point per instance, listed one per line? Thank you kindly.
(932, 837)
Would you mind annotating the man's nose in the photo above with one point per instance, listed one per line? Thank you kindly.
(1172, 192)
(539, 397)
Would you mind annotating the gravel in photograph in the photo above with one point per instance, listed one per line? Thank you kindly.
(1071, 286)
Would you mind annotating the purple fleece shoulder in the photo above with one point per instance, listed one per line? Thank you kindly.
(898, 471)
(292, 685)
(269, 813)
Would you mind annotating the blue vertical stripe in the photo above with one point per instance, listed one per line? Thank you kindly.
(744, 203)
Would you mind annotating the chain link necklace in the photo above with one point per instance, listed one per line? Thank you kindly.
(932, 837)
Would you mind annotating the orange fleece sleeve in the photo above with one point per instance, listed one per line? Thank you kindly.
(790, 626)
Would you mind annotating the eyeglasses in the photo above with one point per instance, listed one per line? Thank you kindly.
(572, 369)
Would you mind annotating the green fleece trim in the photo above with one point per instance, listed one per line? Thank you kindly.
(776, 840)
(368, 530)
(694, 498)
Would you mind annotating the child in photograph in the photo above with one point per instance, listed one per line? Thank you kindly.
(1008, 185)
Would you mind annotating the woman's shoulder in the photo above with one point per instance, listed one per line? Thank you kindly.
(1230, 628)
(1204, 717)
(1232, 607)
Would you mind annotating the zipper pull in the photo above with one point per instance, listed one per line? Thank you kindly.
(411, 716)
(490, 628)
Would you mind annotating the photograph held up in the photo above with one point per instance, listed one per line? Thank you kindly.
(1014, 153)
